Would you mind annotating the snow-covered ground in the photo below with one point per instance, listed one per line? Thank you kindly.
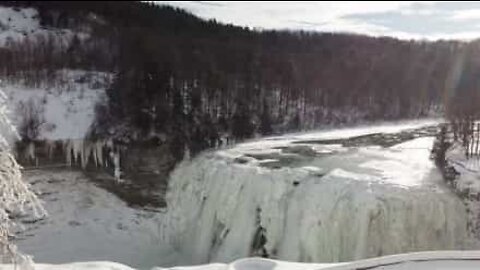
(87, 223)
(65, 103)
(17, 24)
(66, 110)
(440, 260)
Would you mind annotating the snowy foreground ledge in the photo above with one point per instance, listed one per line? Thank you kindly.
(438, 260)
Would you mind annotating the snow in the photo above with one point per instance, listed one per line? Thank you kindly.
(7, 129)
(16, 24)
(87, 223)
(339, 133)
(431, 260)
(439, 260)
(68, 109)
(467, 183)
(407, 163)
(337, 204)
(74, 266)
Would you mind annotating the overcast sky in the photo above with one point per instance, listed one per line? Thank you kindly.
(419, 20)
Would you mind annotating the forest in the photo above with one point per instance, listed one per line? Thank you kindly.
(196, 84)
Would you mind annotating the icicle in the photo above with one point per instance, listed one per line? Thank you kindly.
(30, 151)
(87, 151)
(50, 148)
(117, 172)
(115, 156)
(99, 152)
(94, 153)
(67, 145)
(78, 151)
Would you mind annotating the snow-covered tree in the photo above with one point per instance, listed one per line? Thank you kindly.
(16, 198)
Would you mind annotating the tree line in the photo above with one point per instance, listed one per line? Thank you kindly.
(192, 83)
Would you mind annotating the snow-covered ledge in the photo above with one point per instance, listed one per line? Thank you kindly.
(446, 260)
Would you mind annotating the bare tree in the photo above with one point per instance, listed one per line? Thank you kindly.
(16, 198)
(32, 115)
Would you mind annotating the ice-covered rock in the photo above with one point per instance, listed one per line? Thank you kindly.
(358, 203)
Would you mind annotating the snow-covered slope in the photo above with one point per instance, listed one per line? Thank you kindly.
(16, 24)
(301, 199)
(66, 108)
(65, 100)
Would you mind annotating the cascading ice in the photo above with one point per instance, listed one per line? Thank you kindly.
(311, 202)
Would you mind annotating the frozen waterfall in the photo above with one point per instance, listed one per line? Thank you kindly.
(308, 198)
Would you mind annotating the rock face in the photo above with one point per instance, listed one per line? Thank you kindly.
(147, 167)
(146, 162)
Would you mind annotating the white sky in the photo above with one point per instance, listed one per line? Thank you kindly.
(409, 19)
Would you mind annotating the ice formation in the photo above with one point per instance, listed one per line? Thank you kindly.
(66, 109)
(81, 152)
(311, 203)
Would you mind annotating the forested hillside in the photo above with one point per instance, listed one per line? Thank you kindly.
(188, 82)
